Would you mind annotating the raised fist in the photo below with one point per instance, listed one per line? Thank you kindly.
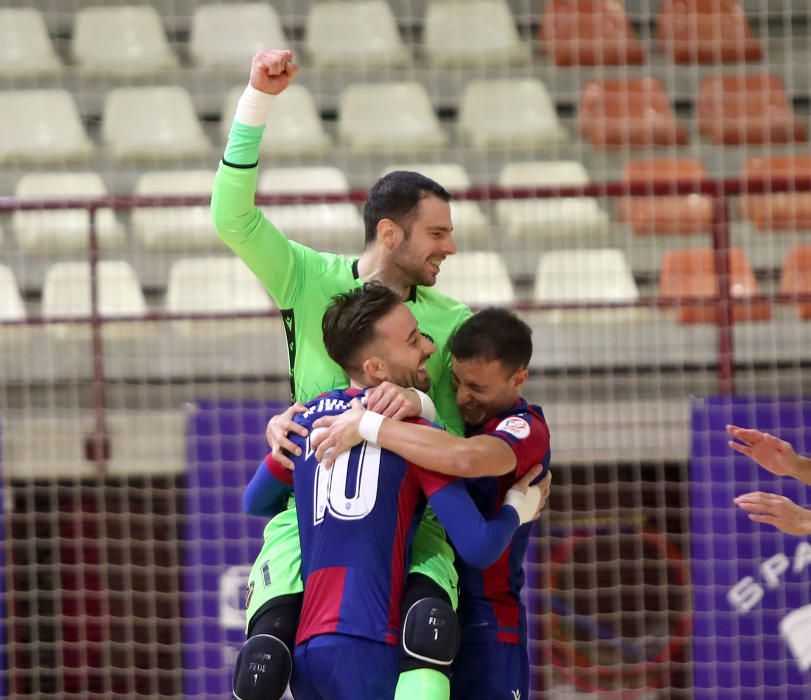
(272, 71)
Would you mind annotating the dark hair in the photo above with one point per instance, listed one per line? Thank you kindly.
(395, 196)
(494, 334)
(349, 321)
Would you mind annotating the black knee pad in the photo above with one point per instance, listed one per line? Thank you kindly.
(431, 632)
(262, 670)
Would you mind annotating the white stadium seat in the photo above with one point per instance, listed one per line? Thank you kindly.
(509, 114)
(393, 117)
(226, 36)
(41, 126)
(592, 275)
(175, 228)
(336, 227)
(346, 34)
(11, 303)
(469, 221)
(61, 230)
(560, 216)
(26, 50)
(66, 293)
(474, 33)
(293, 128)
(127, 40)
(215, 285)
(476, 278)
(152, 123)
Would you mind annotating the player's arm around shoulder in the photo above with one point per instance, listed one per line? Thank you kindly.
(267, 492)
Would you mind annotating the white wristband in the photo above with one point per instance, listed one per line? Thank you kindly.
(525, 504)
(428, 410)
(253, 107)
(369, 426)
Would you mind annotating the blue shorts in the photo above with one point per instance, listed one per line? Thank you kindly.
(490, 670)
(339, 667)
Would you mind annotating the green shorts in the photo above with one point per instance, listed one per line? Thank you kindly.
(277, 570)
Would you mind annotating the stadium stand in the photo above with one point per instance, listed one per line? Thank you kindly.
(589, 33)
(59, 231)
(476, 33)
(357, 33)
(691, 274)
(477, 279)
(26, 49)
(226, 36)
(668, 214)
(752, 108)
(633, 112)
(784, 211)
(121, 41)
(706, 31)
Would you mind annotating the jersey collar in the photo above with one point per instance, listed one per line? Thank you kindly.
(412, 294)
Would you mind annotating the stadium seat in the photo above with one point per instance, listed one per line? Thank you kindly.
(127, 40)
(589, 33)
(511, 114)
(175, 228)
(586, 275)
(61, 230)
(566, 216)
(690, 274)
(26, 50)
(781, 211)
(633, 112)
(355, 33)
(66, 293)
(706, 31)
(666, 214)
(294, 125)
(795, 278)
(331, 226)
(476, 278)
(214, 285)
(41, 126)
(11, 303)
(472, 33)
(152, 123)
(469, 221)
(747, 109)
(393, 117)
(226, 36)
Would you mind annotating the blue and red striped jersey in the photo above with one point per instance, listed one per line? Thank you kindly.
(490, 599)
(356, 523)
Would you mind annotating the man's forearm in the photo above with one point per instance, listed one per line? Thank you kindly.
(439, 451)
(803, 471)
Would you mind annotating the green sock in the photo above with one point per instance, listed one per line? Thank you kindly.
(423, 684)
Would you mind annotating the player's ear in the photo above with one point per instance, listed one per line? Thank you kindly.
(375, 369)
(519, 377)
(388, 232)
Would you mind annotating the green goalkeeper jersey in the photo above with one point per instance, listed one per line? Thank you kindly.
(303, 281)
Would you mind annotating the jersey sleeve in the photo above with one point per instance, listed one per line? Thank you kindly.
(528, 438)
(267, 492)
(478, 541)
(280, 264)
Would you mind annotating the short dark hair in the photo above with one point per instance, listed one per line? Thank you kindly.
(349, 321)
(494, 334)
(395, 196)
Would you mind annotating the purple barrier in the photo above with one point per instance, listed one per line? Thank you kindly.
(752, 629)
(225, 443)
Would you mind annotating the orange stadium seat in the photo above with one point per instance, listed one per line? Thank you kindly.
(589, 33)
(706, 31)
(786, 211)
(754, 109)
(796, 276)
(690, 274)
(633, 112)
(666, 214)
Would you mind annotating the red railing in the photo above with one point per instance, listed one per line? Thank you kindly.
(719, 190)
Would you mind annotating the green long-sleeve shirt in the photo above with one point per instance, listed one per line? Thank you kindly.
(302, 281)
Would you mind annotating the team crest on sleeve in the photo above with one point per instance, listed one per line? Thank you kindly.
(515, 426)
